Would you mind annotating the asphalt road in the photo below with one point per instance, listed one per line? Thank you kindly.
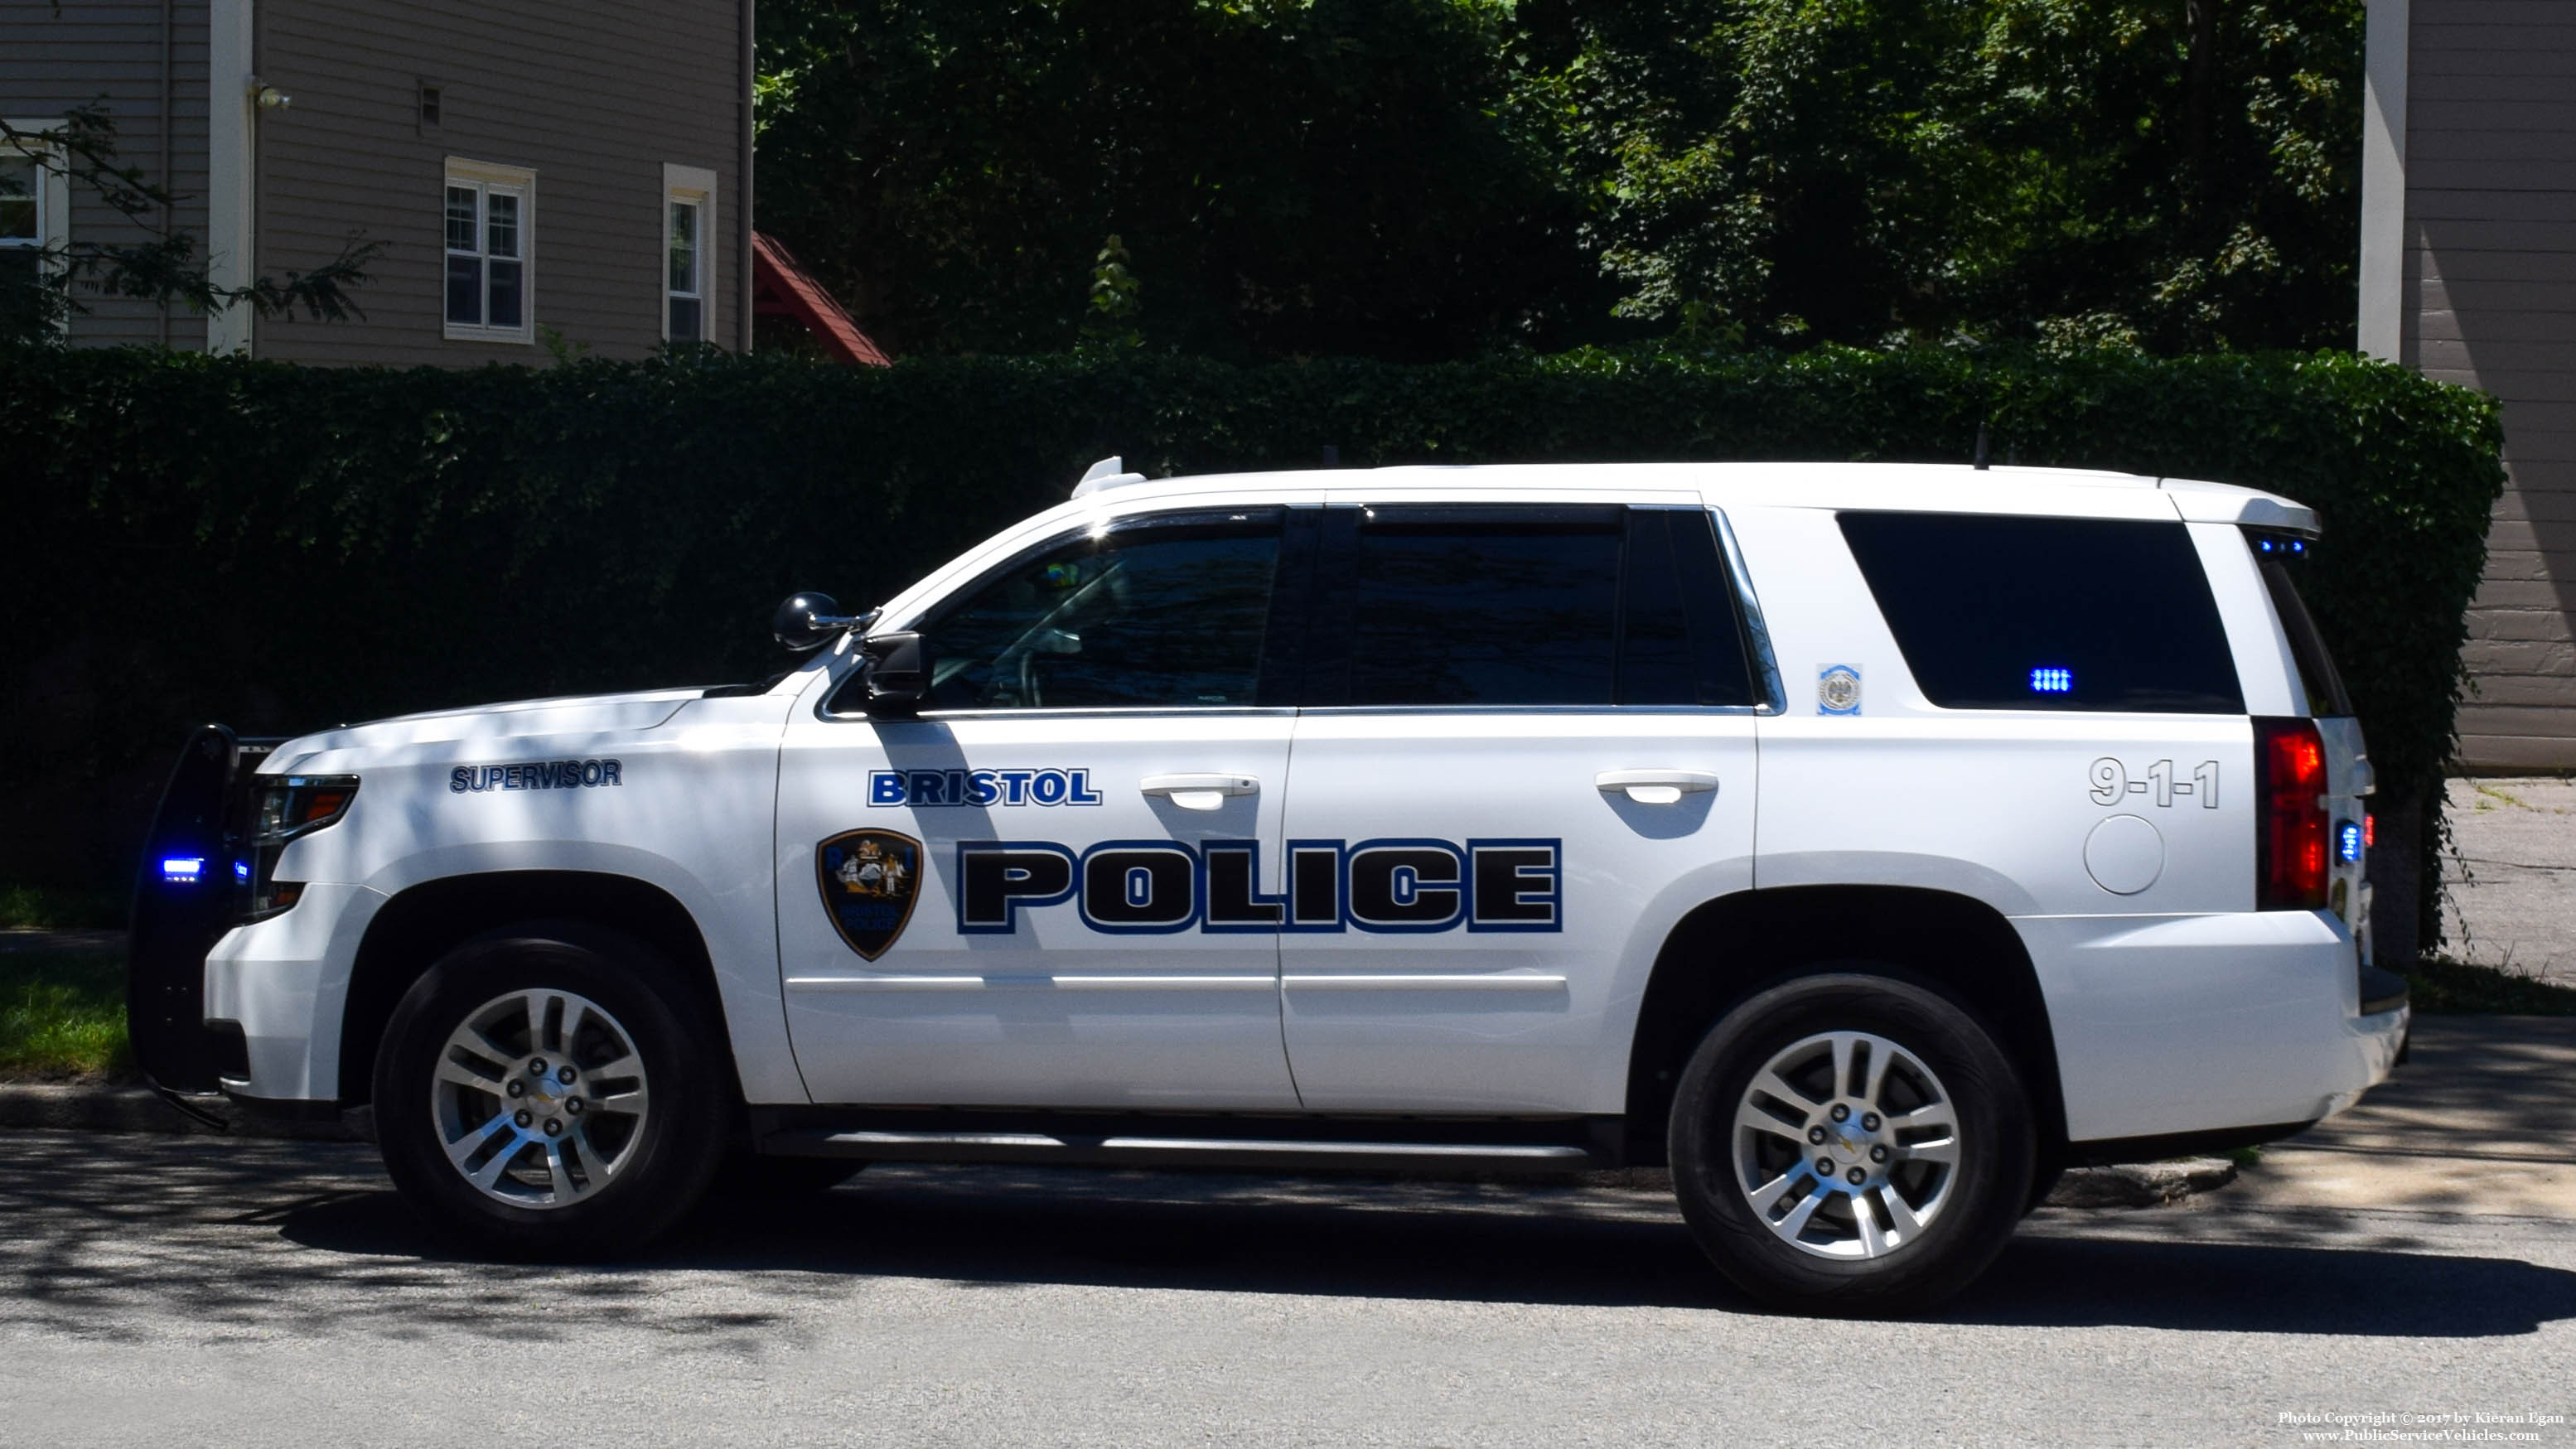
(171, 1291)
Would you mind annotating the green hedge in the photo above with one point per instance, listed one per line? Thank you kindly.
(284, 547)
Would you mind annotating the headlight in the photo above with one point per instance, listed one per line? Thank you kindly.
(283, 808)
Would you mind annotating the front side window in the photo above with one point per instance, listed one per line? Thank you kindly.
(487, 226)
(2004, 612)
(1165, 614)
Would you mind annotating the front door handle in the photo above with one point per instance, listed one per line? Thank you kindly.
(1199, 792)
(1656, 787)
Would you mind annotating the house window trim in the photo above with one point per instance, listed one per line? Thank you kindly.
(53, 194)
(483, 176)
(696, 185)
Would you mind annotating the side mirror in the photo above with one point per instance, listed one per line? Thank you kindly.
(807, 622)
(898, 674)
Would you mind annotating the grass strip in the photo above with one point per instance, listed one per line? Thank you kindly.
(49, 908)
(2451, 988)
(62, 1015)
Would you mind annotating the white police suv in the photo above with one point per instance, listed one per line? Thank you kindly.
(1868, 842)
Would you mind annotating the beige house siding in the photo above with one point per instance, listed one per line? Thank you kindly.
(52, 60)
(594, 100)
(2490, 179)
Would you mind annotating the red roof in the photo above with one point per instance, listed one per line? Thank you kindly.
(781, 288)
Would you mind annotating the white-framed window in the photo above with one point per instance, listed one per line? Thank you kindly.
(688, 253)
(35, 218)
(490, 223)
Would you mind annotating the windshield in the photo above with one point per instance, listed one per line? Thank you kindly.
(2283, 558)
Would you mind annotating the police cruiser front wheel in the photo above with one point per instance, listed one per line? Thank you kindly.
(537, 1096)
(1849, 1142)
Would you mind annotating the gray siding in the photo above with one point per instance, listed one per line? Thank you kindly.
(594, 98)
(53, 60)
(2491, 272)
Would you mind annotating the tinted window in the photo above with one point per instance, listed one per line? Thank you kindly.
(1533, 606)
(1486, 610)
(2282, 558)
(2048, 613)
(1166, 615)
(1679, 642)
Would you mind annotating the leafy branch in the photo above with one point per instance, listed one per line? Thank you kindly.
(164, 267)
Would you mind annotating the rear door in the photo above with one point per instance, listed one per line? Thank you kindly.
(1527, 749)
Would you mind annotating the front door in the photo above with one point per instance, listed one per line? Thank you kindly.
(1049, 890)
(1537, 755)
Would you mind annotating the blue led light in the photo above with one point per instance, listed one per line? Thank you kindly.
(2348, 842)
(182, 868)
(2052, 681)
(2264, 544)
(241, 870)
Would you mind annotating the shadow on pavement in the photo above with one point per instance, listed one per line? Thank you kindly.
(2072, 1282)
(124, 1237)
(1501, 1244)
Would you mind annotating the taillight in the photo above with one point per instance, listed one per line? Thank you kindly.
(2292, 845)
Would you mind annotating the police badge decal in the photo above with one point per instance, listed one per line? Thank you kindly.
(869, 880)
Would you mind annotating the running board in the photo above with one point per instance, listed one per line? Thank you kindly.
(1558, 1145)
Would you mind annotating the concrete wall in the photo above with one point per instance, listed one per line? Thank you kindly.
(2489, 164)
(595, 98)
(152, 76)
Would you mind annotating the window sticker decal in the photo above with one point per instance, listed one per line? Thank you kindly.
(869, 879)
(1838, 689)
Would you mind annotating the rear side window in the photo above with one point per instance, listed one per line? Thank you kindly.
(1541, 605)
(1490, 610)
(1998, 612)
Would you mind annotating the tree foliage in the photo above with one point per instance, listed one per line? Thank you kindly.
(1341, 176)
(1428, 178)
(2172, 173)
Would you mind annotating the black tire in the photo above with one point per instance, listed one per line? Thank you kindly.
(664, 1158)
(1986, 1188)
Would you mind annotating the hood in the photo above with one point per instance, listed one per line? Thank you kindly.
(579, 716)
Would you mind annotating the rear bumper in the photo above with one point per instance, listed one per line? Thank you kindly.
(2174, 1026)
(285, 980)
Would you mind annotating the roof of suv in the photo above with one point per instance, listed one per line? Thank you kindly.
(1944, 487)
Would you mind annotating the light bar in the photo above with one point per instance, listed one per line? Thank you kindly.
(183, 868)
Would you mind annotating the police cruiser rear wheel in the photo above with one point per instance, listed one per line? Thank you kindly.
(537, 1095)
(1850, 1143)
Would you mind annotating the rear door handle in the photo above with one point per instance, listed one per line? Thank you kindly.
(1656, 787)
(1199, 792)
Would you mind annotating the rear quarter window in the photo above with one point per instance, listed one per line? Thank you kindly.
(2282, 558)
(1996, 612)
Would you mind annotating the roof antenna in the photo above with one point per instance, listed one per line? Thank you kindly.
(1980, 463)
